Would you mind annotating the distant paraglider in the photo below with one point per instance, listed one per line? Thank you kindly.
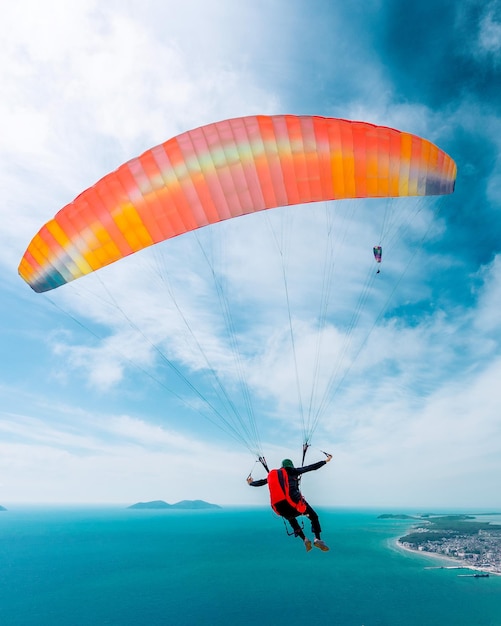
(378, 254)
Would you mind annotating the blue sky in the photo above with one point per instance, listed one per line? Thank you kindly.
(85, 415)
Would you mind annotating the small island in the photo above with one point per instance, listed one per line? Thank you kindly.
(2, 508)
(183, 504)
(462, 538)
(398, 516)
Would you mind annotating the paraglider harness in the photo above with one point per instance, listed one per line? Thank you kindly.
(278, 484)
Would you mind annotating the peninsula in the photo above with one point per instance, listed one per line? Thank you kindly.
(471, 543)
(183, 504)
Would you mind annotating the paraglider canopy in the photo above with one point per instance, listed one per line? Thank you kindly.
(224, 170)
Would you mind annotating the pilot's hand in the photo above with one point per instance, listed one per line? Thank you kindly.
(249, 480)
(329, 457)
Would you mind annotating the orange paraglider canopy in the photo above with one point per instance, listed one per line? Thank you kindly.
(224, 170)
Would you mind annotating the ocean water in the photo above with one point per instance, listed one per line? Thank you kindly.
(110, 565)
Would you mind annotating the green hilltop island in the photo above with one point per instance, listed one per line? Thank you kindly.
(190, 505)
(470, 543)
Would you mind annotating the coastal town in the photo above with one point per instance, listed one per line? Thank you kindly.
(470, 543)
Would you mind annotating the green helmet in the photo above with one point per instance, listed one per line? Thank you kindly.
(287, 463)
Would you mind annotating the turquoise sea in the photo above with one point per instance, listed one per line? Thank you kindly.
(110, 565)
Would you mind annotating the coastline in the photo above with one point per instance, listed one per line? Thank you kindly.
(456, 563)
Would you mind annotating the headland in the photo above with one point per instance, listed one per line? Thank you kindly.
(461, 539)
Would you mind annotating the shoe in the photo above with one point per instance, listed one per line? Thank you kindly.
(318, 543)
(307, 544)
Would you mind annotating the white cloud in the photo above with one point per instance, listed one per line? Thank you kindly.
(486, 317)
(489, 37)
(86, 86)
(109, 458)
(441, 452)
